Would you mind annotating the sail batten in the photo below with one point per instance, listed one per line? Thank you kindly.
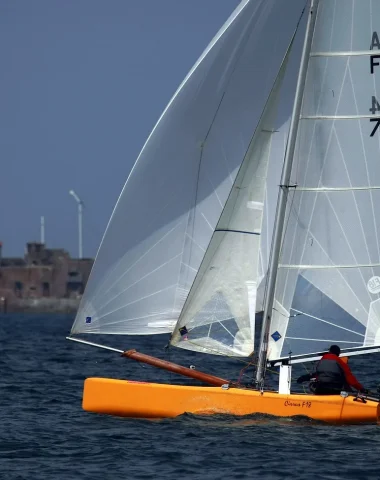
(329, 340)
(315, 266)
(350, 53)
(336, 189)
(337, 117)
(317, 356)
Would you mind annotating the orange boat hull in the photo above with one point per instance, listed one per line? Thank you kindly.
(152, 400)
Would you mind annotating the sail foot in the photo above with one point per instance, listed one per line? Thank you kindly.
(173, 367)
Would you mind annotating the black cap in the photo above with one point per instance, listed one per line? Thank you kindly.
(335, 350)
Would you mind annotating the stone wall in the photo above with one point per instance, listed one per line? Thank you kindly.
(50, 276)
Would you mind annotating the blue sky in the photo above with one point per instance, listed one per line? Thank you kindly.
(82, 84)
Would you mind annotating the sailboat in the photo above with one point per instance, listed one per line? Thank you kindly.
(197, 245)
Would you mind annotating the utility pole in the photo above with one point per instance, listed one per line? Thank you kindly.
(42, 237)
(80, 212)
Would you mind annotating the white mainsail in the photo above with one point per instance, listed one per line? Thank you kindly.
(328, 280)
(167, 212)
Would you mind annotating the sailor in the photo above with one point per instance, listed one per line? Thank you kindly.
(332, 375)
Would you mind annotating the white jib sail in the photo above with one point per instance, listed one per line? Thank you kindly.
(219, 314)
(170, 205)
(328, 282)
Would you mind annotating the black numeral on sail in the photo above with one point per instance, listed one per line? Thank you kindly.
(377, 120)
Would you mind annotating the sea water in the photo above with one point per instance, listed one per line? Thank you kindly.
(45, 434)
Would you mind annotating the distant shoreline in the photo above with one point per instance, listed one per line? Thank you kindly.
(41, 305)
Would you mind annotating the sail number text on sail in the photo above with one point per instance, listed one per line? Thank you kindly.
(374, 62)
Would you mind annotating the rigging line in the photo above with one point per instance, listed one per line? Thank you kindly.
(305, 367)
(241, 373)
(285, 232)
(105, 347)
(265, 264)
(326, 321)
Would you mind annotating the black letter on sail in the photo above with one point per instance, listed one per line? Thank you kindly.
(375, 41)
(375, 106)
(374, 64)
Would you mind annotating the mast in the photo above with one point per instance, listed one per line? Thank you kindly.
(283, 193)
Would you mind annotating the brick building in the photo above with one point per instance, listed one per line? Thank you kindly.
(43, 273)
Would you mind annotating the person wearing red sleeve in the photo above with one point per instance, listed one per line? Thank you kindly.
(331, 375)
